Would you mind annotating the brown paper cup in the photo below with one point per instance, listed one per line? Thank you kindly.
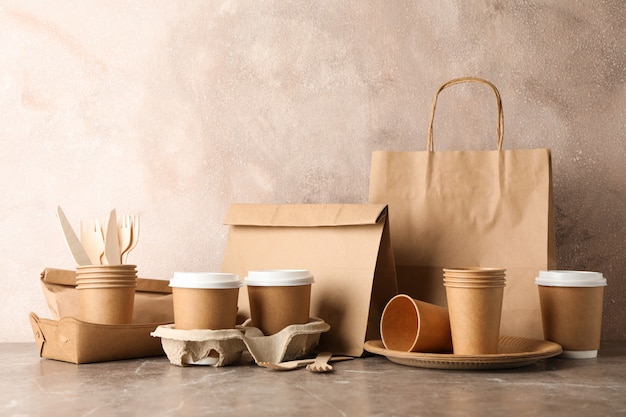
(572, 317)
(410, 325)
(274, 308)
(571, 310)
(279, 298)
(106, 304)
(205, 308)
(205, 300)
(106, 293)
(474, 318)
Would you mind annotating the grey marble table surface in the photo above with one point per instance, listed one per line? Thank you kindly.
(370, 386)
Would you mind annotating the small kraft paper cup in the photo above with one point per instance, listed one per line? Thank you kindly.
(410, 325)
(571, 310)
(106, 293)
(205, 300)
(279, 298)
(474, 297)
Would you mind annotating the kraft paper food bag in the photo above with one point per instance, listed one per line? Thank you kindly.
(345, 246)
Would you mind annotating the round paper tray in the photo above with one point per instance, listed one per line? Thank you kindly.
(513, 352)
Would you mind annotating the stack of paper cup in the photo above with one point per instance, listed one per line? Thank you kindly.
(106, 293)
(279, 298)
(410, 325)
(205, 300)
(571, 310)
(474, 298)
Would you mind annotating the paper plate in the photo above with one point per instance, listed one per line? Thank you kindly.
(513, 352)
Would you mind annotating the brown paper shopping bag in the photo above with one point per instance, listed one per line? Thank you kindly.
(345, 246)
(470, 208)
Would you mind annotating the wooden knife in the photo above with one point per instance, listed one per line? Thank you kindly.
(111, 242)
(78, 252)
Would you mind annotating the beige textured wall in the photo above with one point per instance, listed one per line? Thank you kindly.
(175, 109)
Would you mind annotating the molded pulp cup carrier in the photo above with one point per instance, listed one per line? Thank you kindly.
(279, 298)
(571, 310)
(205, 300)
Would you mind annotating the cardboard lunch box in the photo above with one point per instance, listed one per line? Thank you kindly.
(68, 339)
(346, 247)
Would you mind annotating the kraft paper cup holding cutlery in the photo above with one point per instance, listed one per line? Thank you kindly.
(474, 297)
(571, 310)
(106, 293)
(205, 300)
(279, 298)
(410, 325)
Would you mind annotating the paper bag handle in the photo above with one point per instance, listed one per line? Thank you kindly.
(467, 80)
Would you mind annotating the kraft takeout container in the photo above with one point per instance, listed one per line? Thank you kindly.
(66, 338)
(75, 341)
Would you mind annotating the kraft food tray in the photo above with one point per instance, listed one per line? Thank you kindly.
(513, 352)
(75, 341)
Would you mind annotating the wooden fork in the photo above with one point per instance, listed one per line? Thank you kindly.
(134, 236)
(124, 235)
(92, 239)
(291, 365)
(321, 363)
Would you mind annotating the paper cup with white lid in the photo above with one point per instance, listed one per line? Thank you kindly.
(279, 298)
(205, 300)
(571, 310)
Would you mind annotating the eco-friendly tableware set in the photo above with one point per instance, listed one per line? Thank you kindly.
(396, 278)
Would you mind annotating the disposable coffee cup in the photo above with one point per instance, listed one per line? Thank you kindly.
(205, 300)
(106, 304)
(474, 297)
(571, 310)
(106, 295)
(410, 325)
(279, 298)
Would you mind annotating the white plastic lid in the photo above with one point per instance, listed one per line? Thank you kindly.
(211, 280)
(279, 278)
(570, 279)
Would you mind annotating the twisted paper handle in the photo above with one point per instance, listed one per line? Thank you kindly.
(460, 81)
